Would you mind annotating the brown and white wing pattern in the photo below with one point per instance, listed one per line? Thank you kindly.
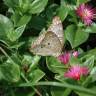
(57, 28)
(38, 40)
(49, 46)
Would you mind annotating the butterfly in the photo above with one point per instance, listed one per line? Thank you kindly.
(51, 42)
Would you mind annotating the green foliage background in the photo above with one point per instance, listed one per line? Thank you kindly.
(25, 74)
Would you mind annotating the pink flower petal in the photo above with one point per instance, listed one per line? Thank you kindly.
(64, 58)
(75, 53)
(86, 13)
(75, 72)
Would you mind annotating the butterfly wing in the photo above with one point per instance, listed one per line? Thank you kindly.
(57, 28)
(49, 46)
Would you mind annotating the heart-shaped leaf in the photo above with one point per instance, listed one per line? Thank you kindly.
(75, 36)
(54, 65)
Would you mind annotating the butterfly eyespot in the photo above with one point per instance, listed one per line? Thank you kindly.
(41, 46)
(48, 43)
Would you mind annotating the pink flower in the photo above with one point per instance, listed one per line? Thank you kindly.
(64, 58)
(86, 13)
(76, 71)
(75, 53)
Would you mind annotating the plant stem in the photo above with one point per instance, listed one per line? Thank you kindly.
(39, 94)
(3, 51)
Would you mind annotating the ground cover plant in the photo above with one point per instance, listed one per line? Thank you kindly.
(32, 68)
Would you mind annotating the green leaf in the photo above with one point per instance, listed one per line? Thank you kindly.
(89, 54)
(34, 62)
(92, 52)
(36, 75)
(75, 36)
(37, 6)
(24, 20)
(67, 92)
(5, 26)
(73, 61)
(16, 45)
(63, 11)
(1, 75)
(51, 11)
(60, 77)
(91, 29)
(70, 3)
(11, 3)
(10, 71)
(24, 5)
(58, 91)
(87, 81)
(83, 94)
(93, 74)
(86, 94)
(15, 34)
(70, 33)
(89, 62)
(54, 65)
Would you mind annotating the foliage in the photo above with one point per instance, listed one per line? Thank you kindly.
(43, 76)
